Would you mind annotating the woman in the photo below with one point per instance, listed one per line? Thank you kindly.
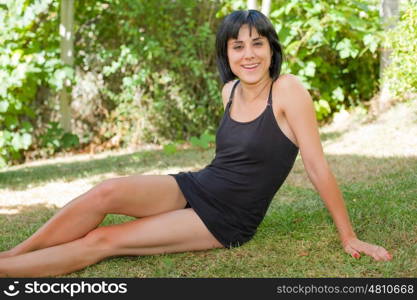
(268, 119)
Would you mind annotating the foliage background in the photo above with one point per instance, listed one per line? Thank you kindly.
(401, 74)
(145, 70)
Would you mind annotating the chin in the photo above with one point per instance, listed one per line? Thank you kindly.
(249, 79)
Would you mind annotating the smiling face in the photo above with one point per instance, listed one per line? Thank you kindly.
(249, 55)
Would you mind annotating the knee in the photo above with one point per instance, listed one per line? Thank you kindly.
(104, 194)
(98, 238)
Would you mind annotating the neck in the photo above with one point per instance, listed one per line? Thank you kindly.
(253, 92)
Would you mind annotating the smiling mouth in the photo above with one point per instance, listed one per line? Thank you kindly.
(250, 67)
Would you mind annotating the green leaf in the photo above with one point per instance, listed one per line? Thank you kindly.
(11, 122)
(27, 126)
(4, 105)
(278, 12)
(310, 69)
(338, 94)
(317, 38)
(337, 16)
(371, 42)
(7, 135)
(195, 141)
(26, 140)
(60, 76)
(346, 49)
(203, 144)
(284, 35)
(16, 55)
(356, 23)
(17, 142)
(290, 6)
(322, 108)
(69, 140)
(208, 137)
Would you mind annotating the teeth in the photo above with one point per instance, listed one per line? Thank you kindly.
(250, 66)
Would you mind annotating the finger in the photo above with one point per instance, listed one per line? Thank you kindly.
(370, 250)
(352, 252)
(380, 254)
(385, 255)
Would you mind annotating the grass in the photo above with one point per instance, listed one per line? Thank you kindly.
(297, 238)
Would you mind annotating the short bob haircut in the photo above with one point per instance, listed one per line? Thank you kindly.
(229, 29)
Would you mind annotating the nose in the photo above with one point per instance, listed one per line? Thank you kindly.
(249, 53)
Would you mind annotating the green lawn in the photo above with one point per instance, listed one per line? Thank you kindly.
(297, 238)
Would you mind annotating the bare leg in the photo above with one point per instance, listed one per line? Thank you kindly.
(69, 219)
(175, 231)
(135, 195)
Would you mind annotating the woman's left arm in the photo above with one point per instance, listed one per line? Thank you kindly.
(299, 111)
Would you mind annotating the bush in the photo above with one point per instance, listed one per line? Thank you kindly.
(157, 62)
(29, 58)
(332, 47)
(401, 74)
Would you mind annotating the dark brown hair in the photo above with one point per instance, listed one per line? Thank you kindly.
(229, 29)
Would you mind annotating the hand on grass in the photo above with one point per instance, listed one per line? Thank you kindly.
(355, 247)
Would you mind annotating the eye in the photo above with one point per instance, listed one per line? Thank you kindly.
(258, 44)
(237, 47)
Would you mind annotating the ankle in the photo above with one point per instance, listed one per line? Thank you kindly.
(14, 251)
(7, 253)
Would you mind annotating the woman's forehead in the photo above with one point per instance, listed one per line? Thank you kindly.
(245, 30)
(246, 34)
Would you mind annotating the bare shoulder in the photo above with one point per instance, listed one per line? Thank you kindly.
(286, 79)
(296, 106)
(226, 90)
(290, 92)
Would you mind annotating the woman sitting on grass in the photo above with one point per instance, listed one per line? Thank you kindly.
(268, 119)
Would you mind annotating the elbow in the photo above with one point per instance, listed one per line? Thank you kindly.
(318, 170)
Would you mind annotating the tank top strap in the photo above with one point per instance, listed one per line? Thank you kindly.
(270, 95)
(233, 91)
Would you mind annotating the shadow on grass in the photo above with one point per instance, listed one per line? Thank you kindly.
(347, 168)
(138, 162)
(331, 136)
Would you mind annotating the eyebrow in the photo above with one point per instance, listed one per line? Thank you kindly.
(255, 39)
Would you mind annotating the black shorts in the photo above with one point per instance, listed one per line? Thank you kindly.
(216, 220)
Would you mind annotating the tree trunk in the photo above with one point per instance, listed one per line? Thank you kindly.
(266, 7)
(389, 12)
(252, 4)
(67, 55)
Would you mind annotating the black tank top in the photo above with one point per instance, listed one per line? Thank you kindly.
(252, 161)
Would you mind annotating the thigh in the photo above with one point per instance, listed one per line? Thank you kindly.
(174, 231)
(143, 195)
